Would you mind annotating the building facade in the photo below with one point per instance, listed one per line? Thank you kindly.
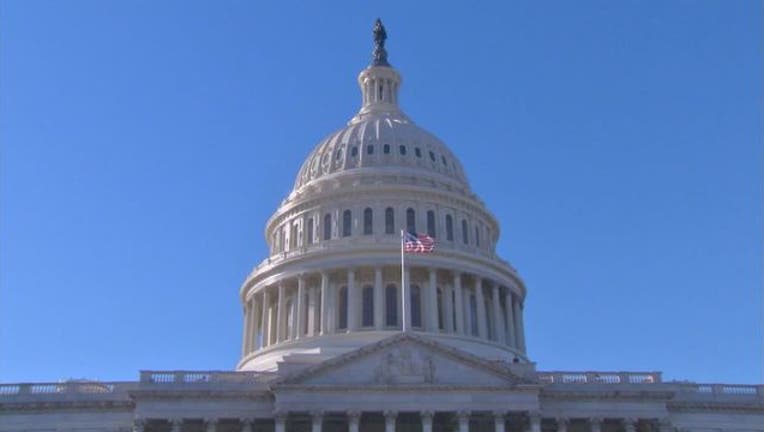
(339, 336)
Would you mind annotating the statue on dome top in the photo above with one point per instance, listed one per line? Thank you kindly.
(380, 35)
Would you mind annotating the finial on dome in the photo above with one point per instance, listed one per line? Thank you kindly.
(380, 35)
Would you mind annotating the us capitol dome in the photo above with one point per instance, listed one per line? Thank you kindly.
(338, 338)
(332, 282)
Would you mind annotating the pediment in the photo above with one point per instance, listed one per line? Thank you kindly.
(407, 360)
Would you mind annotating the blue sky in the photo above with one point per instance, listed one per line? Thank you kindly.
(143, 145)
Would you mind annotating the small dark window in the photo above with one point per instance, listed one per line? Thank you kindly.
(310, 231)
(430, 223)
(346, 223)
(389, 220)
(391, 305)
(416, 306)
(354, 151)
(343, 309)
(380, 93)
(402, 149)
(418, 152)
(367, 221)
(386, 149)
(411, 220)
(443, 158)
(369, 149)
(432, 156)
(327, 226)
(368, 306)
(465, 232)
(449, 228)
(339, 154)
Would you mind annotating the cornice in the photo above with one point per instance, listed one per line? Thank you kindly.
(67, 405)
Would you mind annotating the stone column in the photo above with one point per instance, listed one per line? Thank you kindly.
(426, 421)
(317, 421)
(390, 417)
(279, 420)
(266, 318)
(464, 421)
(510, 319)
(352, 303)
(498, 317)
(499, 421)
(176, 425)
(482, 330)
(379, 300)
(459, 296)
(324, 303)
(245, 337)
(595, 424)
(211, 424)
(432, 302)
(520, 327)
(139, 425)
(535, 421)
(562, 424)
(516, 315)
(312, 311)
(448, 309)
(629, 424)
(468, 330)
(281, 313)
(299, 322)
(354, 420)
(246, 424)
(253, 326)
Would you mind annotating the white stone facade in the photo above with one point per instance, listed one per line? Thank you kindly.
(323, 346)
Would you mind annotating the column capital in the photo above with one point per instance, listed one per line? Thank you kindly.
(426, 415)
(139, 425)
(595, 421)
(390, 414)
(499, 415)
(562, 421)
(211, 421)
(176, 424)
(630, 424)
(317, 415)
(463, 414)
(280, 416)
(353, 415)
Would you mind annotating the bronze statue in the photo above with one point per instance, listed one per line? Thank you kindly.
(380, 35)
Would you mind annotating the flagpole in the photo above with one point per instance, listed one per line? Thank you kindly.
(403, 284)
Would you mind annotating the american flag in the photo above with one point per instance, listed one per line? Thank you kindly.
(418, 243)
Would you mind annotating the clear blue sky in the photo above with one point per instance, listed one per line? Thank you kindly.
(143, 145)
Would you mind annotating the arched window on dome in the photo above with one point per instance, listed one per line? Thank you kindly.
(367, 318)
(416, 306)
(391, 305)
(386, 149)
(346, 223)
(354, 151)
(477, 236)
(432, 156)
(389, 220)
(431, 223)
(342, 319)
(418, 152)
(368, 223)
(328, 226)
(465, 232)
(370, 149)
(402, 149)
(410, 220)
(449, 228)
(309, 230)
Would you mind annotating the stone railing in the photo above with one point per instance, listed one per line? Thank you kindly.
(558, 377)
(65, 387)
(203, 377)
(726, 391)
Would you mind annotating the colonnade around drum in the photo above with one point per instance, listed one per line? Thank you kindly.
(369, 298)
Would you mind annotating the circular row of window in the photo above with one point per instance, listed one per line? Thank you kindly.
(286, 238)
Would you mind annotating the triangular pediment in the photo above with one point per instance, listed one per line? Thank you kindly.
(407, 360)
